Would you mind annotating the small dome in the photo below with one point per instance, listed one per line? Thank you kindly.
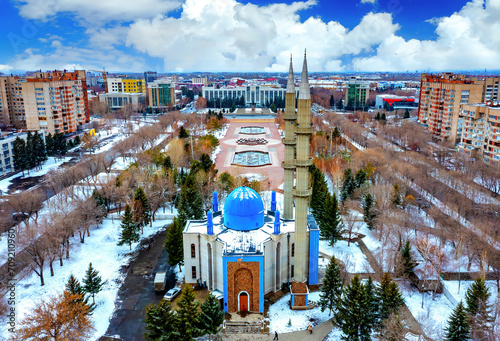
(243, 210)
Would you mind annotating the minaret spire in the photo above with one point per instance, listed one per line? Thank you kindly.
(304, 91)
(290, 85)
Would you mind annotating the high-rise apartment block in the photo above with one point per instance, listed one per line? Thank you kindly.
(127, 85)
(481, 131)
(442, 95)
(357, 93)
(53, 101)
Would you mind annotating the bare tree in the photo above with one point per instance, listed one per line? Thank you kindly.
(28, 204)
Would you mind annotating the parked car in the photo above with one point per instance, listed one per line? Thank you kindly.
(172, 293)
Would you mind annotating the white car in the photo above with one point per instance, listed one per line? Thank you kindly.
(172, 293)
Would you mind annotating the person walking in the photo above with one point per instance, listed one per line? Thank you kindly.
(309, 328)
(275, 335)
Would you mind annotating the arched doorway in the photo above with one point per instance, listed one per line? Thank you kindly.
(243, 301)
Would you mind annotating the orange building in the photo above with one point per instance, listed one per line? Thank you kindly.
(442, 95)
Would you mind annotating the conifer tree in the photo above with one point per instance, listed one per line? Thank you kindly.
(332, 221)
(390, 297)
(407, 261)
(360, 178)
(74, 287)
(130, 230)
(320, 194)
(183, 133)
(354, 317)
(396, 197)
(478, 308)
(211, 316)
(377, 117)
(39, 152)
(332, 101)
(458, 326)
(331, 290)
(160, 322)
(92, 283)
(173, 242)
(30, 152)
(142, 210)
(372, 303)
(49, 144)
(190, 202)
(187, 321)
(20, 157)
(368, 211)
(167, 163)
(407, 114)
(348, 186)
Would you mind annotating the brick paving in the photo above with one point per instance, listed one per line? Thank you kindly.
(274, 173)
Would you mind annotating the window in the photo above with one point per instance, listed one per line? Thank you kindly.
(293, 249)
(292, 271)
(193, 272)
(193, 251)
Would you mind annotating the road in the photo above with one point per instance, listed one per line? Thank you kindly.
(137, 290)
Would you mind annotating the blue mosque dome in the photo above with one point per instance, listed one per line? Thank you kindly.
(243, 210)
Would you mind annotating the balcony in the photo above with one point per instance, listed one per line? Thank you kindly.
(303, 163)
(302, 193)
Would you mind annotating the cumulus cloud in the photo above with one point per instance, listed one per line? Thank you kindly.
(222, 35)
(465, 41)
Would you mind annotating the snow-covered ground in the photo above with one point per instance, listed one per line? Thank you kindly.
(280, 314)
(434, 314)
(254, 176)
(458, 295)
(48, 165)
(352, 257)
(106, 257)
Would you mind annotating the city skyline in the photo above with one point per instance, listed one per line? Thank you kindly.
(229, 35)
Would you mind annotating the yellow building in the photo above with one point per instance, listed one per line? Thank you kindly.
(127, 85)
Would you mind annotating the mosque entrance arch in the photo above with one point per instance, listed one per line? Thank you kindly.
(243, 301)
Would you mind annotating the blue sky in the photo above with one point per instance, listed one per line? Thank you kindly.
(259, 35)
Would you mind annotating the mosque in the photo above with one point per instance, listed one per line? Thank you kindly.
(244, 252)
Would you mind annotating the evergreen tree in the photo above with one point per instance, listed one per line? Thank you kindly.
(101, 204)
(211, 316)
(368, 211)
(19, 154)
(377, 117)
(390, 297)
(360, 178)
(336, 133)
(92, 283)
(142, 210)
(167, 163)
(160, 322)
(187, 321)
(40, 152)
(320, 194)
(183, 133)
(332, 221)
(354, 313)
(206, 162)
(396, 197)
(49, 144)
(173, 241)
(383, 117)
(190, 202)
(332, 101)
(348, 186)
(30, 152)
(407, 114)
(74, 287)
(331, 290)
(130, 231)
(407, 261)
(340, 104)
(478, 308)
(372, 303)
(458, 326)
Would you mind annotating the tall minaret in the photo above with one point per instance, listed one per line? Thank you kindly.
(303, 160)
(289, 141)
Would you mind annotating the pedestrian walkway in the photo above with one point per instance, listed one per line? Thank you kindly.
(319, 334)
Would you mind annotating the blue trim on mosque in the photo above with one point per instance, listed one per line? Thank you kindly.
(307, 299)
(313, 250)
(260, 259)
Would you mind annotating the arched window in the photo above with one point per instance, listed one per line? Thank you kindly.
(193, 251)
(293, 249)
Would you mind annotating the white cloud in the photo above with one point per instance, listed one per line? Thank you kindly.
(465, 41)
(97, 11)
(216, 35)
(5, 68)
(368, 1)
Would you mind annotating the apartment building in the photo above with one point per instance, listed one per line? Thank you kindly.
(442, 95)
(357, 93)
(481, 131)
(53, 101)
(7, 147)
(200, 81)
(127, 85)
(161, 94)
(117, 100)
